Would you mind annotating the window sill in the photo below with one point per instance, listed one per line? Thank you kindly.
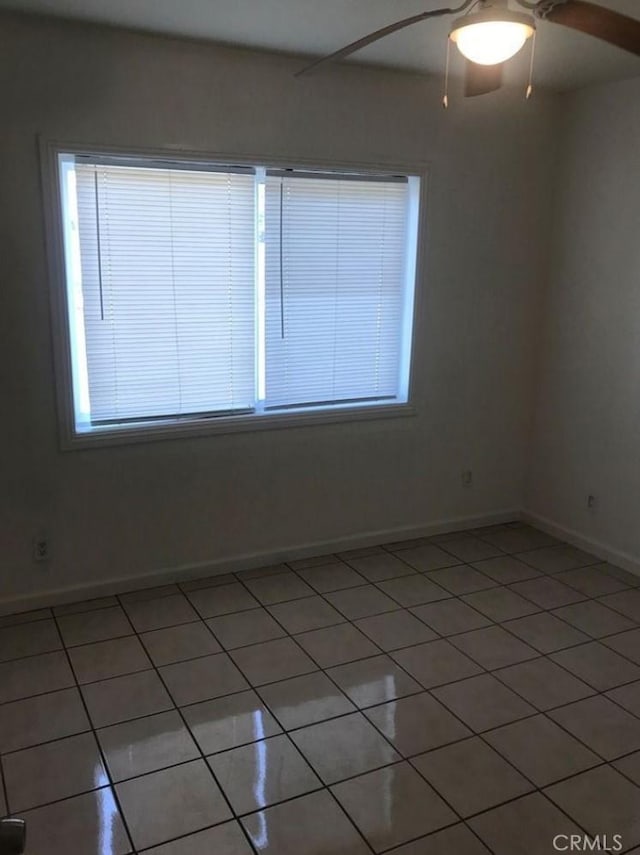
(132, 434)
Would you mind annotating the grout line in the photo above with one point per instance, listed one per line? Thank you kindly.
(97, 742)
(324, 670)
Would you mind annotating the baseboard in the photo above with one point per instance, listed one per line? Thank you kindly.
(596, 547)
(247, 561)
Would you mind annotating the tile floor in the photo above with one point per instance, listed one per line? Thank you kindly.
(465, 694)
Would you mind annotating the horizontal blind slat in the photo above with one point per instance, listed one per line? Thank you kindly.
(167, 260)
(337, 287)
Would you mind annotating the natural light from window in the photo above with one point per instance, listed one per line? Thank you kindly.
(205, 293)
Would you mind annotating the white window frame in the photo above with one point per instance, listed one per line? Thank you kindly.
(63, 335)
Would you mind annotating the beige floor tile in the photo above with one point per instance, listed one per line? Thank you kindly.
(305, 614)
(601, 725)
(471, 776)
(202, 679)
(226, 839)
(28, 639)
(41, 719)
(230, 721)
(393, 805)
(456, 840)
(417, 723)
(482, 702)
(541, 750)
(628, 697)
(146, 615)
(146, 744)
(394, 630)
(547, 592)
(506, 569)
(313, 561)
(35, 675)
(288, 828)
(264, 571)
(263, 773)
(518, 539)
(449, 617)
(168, 804)
(461, 580)
(222, 600)
(24, 617)
(278, 588)
(493, 647)
(331, 577)
(470, 549)
(57, 770)
(597, 665)
(106, 659)
(527, 825)
(94, 626)
(85, 606)
(153, 593)
(554, 559)
(89, 824)
(373, 681)
(413, 590)
(343, 747)
(208, 582)
(305, 700)
(625, 602)
(544, 684)
(545, 632)
(626, 643)
(381, 566)
(428, 557)
(337, 644)
(630, 766)
(361, 602)
(244, 628)
(179, 643)
(272, 661)
(591, 581)
(595, 619)
(500, 604)
(435, 663)
(603, 802)
(123, 698)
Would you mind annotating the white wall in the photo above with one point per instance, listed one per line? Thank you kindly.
(587, 430)
(126, 511)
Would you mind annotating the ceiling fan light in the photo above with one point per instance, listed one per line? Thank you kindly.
(492, 37)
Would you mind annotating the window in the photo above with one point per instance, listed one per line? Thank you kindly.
(203, 293)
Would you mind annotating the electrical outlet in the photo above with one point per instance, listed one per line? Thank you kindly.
(467, 478)
(41, 548)
(591, 502)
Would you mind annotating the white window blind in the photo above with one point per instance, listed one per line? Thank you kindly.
(201, 290)
(168, 279)
(337, 265)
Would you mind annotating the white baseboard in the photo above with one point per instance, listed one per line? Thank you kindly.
(247, 561)
(596, 547)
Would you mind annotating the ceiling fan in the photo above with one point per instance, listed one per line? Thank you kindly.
(488, 33)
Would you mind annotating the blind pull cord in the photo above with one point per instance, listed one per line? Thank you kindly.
(95, 187)
(281, 263)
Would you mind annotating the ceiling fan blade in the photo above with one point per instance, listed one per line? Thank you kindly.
(480, 79)
(612, 27)
(380, 34)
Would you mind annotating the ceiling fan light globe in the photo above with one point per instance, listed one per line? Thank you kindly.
(491, 39)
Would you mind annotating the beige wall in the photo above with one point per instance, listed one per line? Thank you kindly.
(126, 511)
(587, 435)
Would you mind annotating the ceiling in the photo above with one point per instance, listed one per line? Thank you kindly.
(564, 59)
